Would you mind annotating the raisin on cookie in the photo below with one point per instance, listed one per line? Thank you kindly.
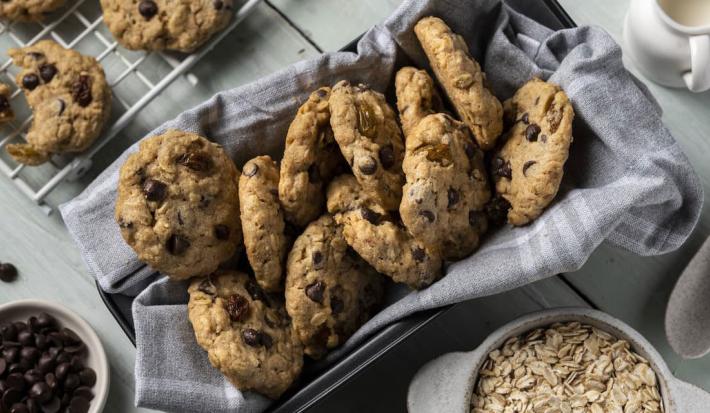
(247, 334)
(378, 237)
(366, 130)
(28, 10)
(462, 79)
(310, 158)
(528, 169)
(180, 25)
(6, 112)
(263, 221)
(330, 290)
(178, 204)
(69, 97)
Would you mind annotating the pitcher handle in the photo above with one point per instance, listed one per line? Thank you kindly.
(698, 78)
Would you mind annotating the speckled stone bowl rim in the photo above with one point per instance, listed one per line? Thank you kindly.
(20, 310)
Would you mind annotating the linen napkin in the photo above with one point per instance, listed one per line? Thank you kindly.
(626, 182)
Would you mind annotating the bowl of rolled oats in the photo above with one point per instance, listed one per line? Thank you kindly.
(566, 360)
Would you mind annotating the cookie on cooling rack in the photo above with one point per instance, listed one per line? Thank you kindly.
(69, 97)
(28, 10)
(163, 24)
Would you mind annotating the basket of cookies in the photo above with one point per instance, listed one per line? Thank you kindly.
(463, 150)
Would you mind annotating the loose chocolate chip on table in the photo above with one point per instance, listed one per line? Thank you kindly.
(8, 273)
(531, 132)
(317, 258)
(251, 170)
(221, 232)
(453, 196)
(197, 161)
(313, 174)
(419, 254)
(30, 81)
(218, 4)
(251, 337)
(47, 72)
(237, 307)
(315, 291)
(502, 168)
(154, 190)
(177, 244)
(81, 91)
(428, 215)
(370, 216)
(527, 165)
(368, 166)
(386, 154)
(147, 9)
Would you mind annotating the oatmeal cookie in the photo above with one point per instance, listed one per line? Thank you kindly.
(379, 238)
(263, 221)
(416, 97)
(28, 10)
(330, 290)
(366, 130)
(6, 113)
(178, 204)
(69, 97)
(462, 79)
(247, 334)
(528, 169)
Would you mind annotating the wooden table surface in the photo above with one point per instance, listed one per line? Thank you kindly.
(281, 32)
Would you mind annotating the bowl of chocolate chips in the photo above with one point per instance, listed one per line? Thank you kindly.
(51, 360)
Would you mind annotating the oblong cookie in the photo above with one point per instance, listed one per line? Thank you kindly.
(528, 169)
(247, 335)
(462, 79)
(330, 290)
(366, 130)
(69, 97)
(28, 10)
(263, 221)
(416, 97)
(379, 239)
(178, 205)
(310, 158)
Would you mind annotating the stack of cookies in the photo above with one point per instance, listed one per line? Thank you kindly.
(360, 196)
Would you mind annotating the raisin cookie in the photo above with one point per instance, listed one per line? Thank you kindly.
(366, 130)
(69, 97)
(379, 238)
(310, 159)
(28, 10)
(330, 290)
(181, 25)
(6, 113)
(247, 334)
(528, 168)
(263, 221)
(462, 79)
(178, 204)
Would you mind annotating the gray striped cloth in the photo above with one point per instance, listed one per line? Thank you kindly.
(626, 182)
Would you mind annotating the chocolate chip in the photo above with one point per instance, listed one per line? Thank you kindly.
(47, 72)
(29, 353)
(19, 408)
(4, 103)
(237, 307)
(525, 118)
(62, 371)
(527, 165)
(453, 196)
(81, 91)
(251, 337)
(469, 149)
(251, 169)
(15, 381)
(87, 376)
(368, 166)
(474, 218)
(11, 396)
(502, 168)
(154, 190)
(8, 332)
(336, 305)
(531, 132)
(51, 406)
(218, 4)
(315, 291)
(11, 354)
(386, 154)
(313, 174)
(418, 254)
(206, 286)
(147, 9)
(41, 392)
(197, 161)
(32, 376)
(8, 273)
(85, 392)
(30, 81)
(79, 405)
(370, 216)
(177, 244)
(497, 210)
(61, 105)
(221, 232)
(255, 292)
(428, 215)
(265, 340)
(317, 260)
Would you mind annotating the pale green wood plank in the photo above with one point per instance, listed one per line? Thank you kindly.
(634, 288)
(331, 24)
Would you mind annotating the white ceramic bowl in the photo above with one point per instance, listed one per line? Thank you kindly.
(445, 384)
(96, 358)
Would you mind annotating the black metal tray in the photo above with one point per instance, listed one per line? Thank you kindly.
(317, 379)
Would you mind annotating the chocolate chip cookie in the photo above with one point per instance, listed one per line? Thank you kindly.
(310, 158)
(69, 97)
(366, 130)
(28, 10)
(6, 113)
(462, 79)
(379, 238)
(416, 97)
(330, 290)
(181, 25)
(263, 221)
(528, 168)
(247, 334)
(178, 204)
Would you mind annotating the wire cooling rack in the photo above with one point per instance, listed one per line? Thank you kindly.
(136, 78)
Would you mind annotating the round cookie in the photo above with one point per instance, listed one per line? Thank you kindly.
(528, 169)
(6, 112)
(330, 290)
(263, 222)
(462, 79)
(181, 25)
(366, 130)
(247, 335)
(178, 205)
(310, 158)
(379, 238)
(69, 97)
(28, 10)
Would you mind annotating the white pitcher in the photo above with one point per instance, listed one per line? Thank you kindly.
(669, 41)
